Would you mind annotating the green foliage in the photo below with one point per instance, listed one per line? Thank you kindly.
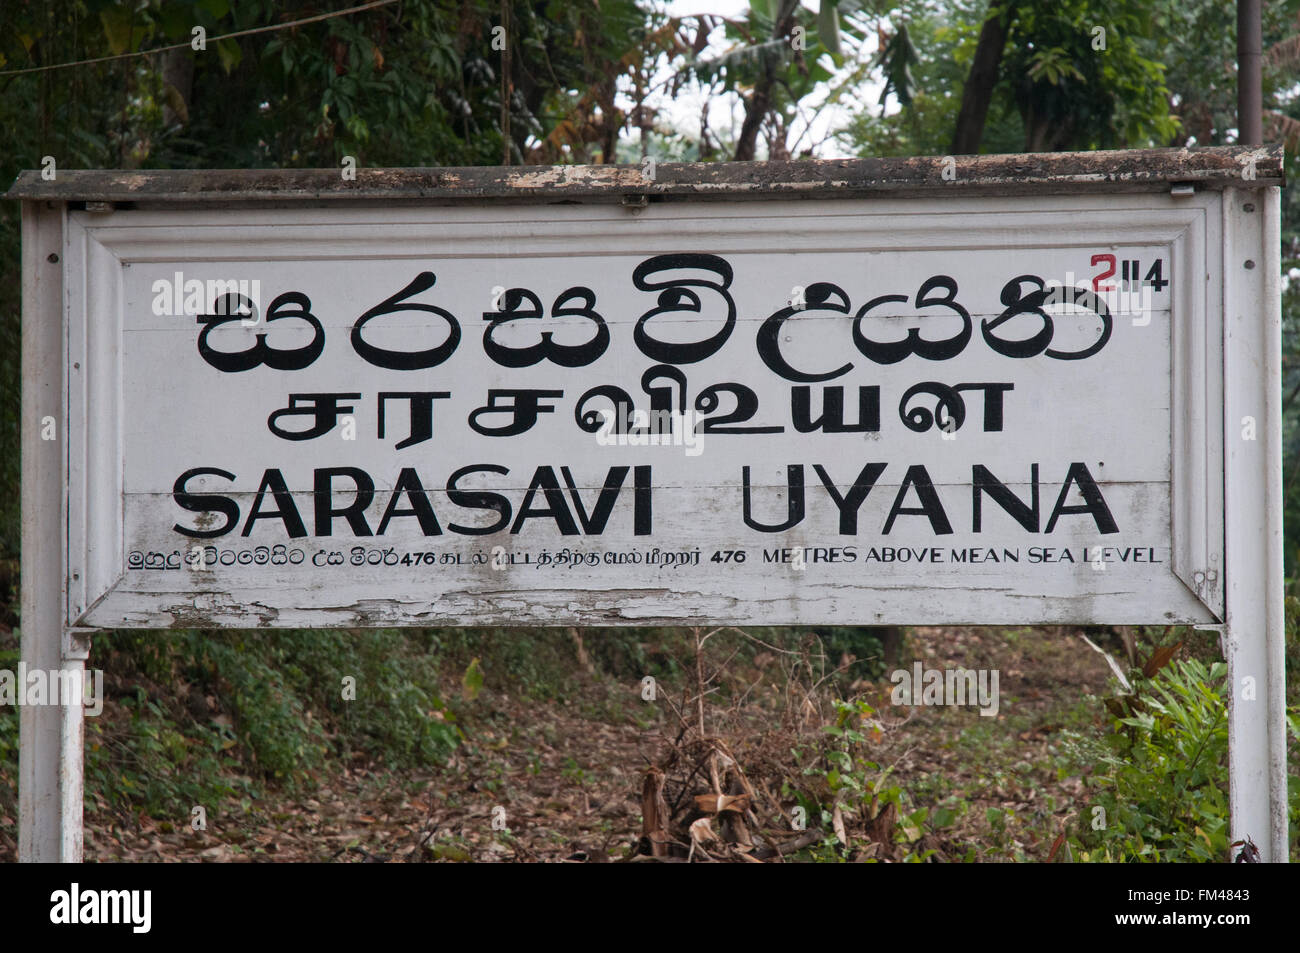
(8, 736)
(402, 721)
(151, 763)
(841, 775)
(861, 644)
(1056, 88)
(1291, 377)
(1201, 77)
(942, 47)
(1164, 784)
(418, 84)
(1292, 640)
(275, 701)
(1082, 77)
(897, 57)
(779, 53)
(473, 680)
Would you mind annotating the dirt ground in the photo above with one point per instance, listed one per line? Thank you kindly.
(562, 781)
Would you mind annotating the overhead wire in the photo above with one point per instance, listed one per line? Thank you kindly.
(225, 36)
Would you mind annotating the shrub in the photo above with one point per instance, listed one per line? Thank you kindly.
(1165, 787)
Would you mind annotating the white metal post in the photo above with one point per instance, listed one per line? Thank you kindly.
(50, 736)
(1254, 633)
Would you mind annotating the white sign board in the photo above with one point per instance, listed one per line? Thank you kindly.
(825, 412)
(990, 390)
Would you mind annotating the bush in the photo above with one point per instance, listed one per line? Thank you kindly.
(1165, 788)
(197, 717)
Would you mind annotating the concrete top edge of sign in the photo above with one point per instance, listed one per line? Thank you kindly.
(1131, 170)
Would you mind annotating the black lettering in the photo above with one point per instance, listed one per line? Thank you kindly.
(891, 352)
(354, 512)
(521, 406)
(850, 502)
(420, 409)
(556, 508)
(641, 512)
(819, 296)
(832, 416)
(406, 360)
(982, 481)
(204, 503)
(286, 511)
(566, 355)
(479, 500)
(709, 401)
(325, 410)
(930, 507)
(408, 482)
(1093, 503)
(595, 524)
(677, 297)
(290, 359)
(794, 500)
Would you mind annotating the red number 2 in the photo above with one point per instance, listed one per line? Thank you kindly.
(1097, 280)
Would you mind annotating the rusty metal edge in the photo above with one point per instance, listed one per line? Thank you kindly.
(1134, 170)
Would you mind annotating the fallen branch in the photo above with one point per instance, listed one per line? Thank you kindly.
(806, 839)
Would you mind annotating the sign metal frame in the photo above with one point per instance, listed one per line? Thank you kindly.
(1217, 209)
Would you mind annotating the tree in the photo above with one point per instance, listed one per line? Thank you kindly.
(775, 61)
(977, 93)
(1079, 73)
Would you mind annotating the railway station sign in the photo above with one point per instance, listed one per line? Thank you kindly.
(991, 390)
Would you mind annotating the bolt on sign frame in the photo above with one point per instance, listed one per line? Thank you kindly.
(1000, 390)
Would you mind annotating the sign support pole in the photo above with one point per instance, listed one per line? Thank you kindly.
(1253, 637)
(51, 735)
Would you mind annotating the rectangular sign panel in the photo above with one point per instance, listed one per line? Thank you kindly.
(975, 410)
(984, 389)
